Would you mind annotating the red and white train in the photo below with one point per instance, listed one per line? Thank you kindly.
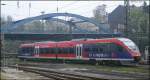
(107, 49)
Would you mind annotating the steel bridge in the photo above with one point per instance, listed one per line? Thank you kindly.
(104, 30)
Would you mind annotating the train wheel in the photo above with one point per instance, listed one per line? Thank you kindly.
(92, 61)
(97, 63)
(24, 60)
(118, 63)
(101, 62)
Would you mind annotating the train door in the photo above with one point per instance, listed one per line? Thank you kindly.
(78, 51)
(36, 52)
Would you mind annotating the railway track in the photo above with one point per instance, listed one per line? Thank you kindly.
(56, 75)
(115, 73)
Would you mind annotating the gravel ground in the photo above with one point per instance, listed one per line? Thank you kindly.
(14, 74)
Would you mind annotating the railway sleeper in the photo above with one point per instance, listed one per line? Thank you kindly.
(70, 76)
(67, 77)
(46, 74)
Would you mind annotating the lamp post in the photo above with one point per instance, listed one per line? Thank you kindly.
(126, 3)
(43, 29)
(2, 45)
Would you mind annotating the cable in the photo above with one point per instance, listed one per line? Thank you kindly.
(70, 4)
(65, 5)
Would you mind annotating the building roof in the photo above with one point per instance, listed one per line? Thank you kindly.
(118, 15)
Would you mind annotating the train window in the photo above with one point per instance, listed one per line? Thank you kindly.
(41, 50)
(100, 49)
(71, 50)
(62, 50)
(111, 47)
(27, 50)
(52, 50)
(32, 50)
(87, 49)
(104, 47)
(45, 50)
(65, 50)
(59, 50)
(94, 49)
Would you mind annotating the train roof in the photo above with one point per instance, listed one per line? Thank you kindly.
(82, 39)
(124, 39)
(46, 42)
(103, 40)
(76, 41)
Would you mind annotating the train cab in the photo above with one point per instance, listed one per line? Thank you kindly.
(131, 47)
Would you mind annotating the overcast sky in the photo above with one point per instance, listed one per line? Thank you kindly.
(84, 8)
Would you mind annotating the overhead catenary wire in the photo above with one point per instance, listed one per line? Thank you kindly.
(84, 10)
(64, 6)
(18, 5)
(69, 5)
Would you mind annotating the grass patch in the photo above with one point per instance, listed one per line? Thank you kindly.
(1, 77)
(10, 61)
(124, 69)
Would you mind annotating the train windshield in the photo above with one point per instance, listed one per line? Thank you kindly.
(26, 50)
(129, 43)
